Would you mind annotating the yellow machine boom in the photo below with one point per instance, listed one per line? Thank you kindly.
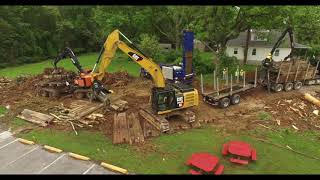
(165, 97)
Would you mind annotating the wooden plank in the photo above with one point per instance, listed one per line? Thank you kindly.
(90, 110)
(36, 117)
(136, 133)
(120, 129)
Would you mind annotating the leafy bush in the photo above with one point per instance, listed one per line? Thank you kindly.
(149, 45)
(202, 64)
(228, 62)
(172, 56)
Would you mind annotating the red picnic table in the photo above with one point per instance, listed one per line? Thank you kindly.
(205, 162)
(240, 149)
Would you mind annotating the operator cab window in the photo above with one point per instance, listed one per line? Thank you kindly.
(254, 52)
(235, 51)
(276, 53)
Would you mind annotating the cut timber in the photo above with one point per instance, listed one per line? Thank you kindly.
(149, 130)
(120, 129)
(89, 111)
(119, 106)
(158, 122)
(312, 99)
(136, 133)
(36, 117)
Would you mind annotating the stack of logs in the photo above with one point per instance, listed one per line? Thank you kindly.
(303, 69)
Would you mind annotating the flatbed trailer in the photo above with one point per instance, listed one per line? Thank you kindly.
(230, 95)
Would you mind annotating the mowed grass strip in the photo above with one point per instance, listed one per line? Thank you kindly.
(169, 152)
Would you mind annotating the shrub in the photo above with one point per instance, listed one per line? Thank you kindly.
(149, 45)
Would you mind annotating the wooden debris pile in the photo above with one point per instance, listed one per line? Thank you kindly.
(119, 106)
(36, 117)
(4, 81)
(297, 113)
(80, 114)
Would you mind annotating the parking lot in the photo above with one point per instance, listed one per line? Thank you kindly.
(19, 158)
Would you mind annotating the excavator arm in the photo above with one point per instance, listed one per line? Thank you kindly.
(68, 53)
(109, 50)
(267, 62)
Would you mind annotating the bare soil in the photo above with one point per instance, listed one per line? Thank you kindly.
(288, 108)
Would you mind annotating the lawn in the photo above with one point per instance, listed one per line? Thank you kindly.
(172, 151)
(120, 62)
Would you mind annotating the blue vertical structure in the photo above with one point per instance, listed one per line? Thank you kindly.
(187, 56)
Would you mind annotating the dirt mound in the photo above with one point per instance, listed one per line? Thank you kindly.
(117, 79)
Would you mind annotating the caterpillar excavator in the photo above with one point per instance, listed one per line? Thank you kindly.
(166, 99)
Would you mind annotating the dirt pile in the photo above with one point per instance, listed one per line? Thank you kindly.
(117, 79)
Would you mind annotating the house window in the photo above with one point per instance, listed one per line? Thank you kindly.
(276, 53)
(254, 52)
(235, 51)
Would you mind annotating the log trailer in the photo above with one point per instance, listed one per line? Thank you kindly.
(289, 74)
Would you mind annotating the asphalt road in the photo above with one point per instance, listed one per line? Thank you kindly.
(19, 158)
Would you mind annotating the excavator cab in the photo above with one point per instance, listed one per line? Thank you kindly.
(163, 99)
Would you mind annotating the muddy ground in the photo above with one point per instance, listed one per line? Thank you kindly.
(257, 107)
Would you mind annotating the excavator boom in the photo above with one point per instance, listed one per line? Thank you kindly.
(113, 43)
(164, 98)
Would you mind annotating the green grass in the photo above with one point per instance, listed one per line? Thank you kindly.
(2, 110)
(120, 62)
(18, 123)
(173, 150)
(265, 116)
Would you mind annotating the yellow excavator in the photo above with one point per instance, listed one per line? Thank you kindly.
(165, 98)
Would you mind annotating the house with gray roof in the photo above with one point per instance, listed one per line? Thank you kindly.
(260, 45)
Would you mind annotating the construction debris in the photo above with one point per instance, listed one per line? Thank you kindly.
(119, 106)
(136, 133)
(127, 129)
(36, 117)
(159, 123)
(78, 114)
(120, 129)
(4, 81)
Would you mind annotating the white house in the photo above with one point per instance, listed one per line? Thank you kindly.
(260, 45)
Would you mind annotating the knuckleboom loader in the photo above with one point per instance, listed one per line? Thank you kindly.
(165, 97)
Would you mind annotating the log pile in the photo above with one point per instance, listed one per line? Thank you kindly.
(299, 69)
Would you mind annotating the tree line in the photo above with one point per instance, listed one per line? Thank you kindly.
(34, 33)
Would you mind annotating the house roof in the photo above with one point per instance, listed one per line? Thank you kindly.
(273, 36)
